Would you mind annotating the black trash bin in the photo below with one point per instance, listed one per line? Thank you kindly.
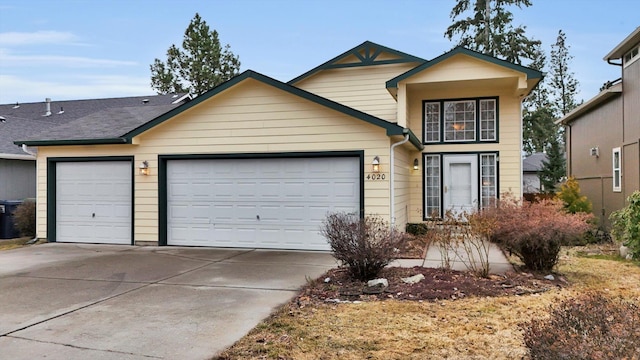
(7, 228)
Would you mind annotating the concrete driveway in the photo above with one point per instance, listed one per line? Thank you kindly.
(80, 301)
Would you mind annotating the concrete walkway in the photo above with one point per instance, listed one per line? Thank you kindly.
(498, 263)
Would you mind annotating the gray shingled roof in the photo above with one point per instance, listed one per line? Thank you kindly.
(89, 117)
(533, 162)
(105, 124)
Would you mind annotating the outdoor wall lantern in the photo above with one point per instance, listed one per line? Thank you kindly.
(375, 165)
(144, 168)
(416, 164)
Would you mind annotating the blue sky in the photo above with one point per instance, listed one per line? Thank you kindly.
(77, 49)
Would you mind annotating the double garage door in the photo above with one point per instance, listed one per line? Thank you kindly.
(265, 203)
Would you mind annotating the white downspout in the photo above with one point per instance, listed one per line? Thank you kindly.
(25, 148)
(392, 215)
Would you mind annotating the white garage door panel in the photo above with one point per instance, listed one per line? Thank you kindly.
(266, 203)
(93, 202)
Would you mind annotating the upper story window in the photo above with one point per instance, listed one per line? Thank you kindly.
(631, 56)
(468, 120)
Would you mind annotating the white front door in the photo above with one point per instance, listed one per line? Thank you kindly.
(460, 181)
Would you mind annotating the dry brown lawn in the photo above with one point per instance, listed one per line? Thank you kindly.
(13, 243)
(468, 328)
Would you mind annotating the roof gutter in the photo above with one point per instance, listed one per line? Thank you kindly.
(392, 215)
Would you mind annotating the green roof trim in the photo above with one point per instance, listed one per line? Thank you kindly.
(109, 141)
(531, 73)
(371, 52)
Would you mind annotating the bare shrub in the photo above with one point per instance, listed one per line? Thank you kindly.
(24, 218)
(365, 246)
(534, 232)
(464, 236)
(591, 326)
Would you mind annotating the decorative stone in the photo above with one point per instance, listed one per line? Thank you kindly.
(413, 279)
(624, 252)
(550, 277)
(378, 282)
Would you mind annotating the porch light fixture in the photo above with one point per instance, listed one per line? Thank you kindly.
(375, 165)
(144, 168)
(416, 164)
(458, 126)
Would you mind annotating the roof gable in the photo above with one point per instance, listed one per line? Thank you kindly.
(365, 54)
(133, 131)
(530, 73)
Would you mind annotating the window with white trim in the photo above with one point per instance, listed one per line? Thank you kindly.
(431, 185)
(466, 120)
(617, 170)
(631, 56)
(488, 180)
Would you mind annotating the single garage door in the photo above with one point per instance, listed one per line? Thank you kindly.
(93, 202)
(258, 203)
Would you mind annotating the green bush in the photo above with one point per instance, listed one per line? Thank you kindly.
(570, 195)
(24, 218)
(591, 326)
(626, 224)
(365, 246)
(534, 232)
(417, 229)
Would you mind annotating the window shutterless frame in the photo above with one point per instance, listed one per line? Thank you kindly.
(617, 169)
(455, 121)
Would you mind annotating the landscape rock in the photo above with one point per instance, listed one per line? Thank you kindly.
(413, 279)
(624, 252)
(378, 282)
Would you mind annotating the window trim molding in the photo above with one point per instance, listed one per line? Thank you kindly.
(477, 121)
(441, 156)
(634, 58)
(618, 151)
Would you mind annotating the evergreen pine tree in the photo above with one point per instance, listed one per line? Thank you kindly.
(201, 64)
(553, 168)
(489, 30)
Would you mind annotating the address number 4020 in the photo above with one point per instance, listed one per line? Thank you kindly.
(376, 176)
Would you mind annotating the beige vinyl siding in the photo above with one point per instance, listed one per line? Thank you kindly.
(251, 117)
(462, 68)
(362, 87)
(403, 171)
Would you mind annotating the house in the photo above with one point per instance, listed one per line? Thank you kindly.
(531, 166)
(256, 162)
(21, 120)
(603, 135)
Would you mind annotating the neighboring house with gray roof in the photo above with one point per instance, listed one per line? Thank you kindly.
(531, 166)
(76, 118)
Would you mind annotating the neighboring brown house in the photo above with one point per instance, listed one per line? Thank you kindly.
(603, 135)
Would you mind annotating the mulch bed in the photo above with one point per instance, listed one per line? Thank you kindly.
(439, 284)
